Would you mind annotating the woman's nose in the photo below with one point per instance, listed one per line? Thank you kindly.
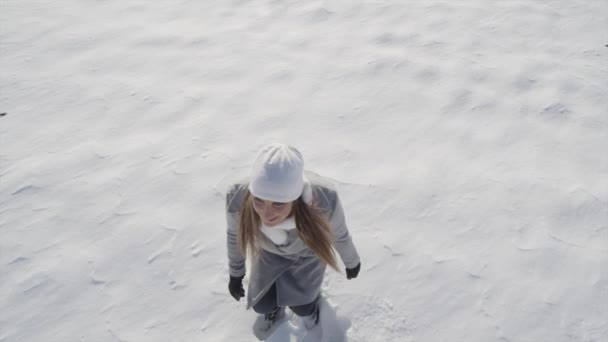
(268, 210)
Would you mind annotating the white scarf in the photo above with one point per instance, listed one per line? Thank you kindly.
(278, 232)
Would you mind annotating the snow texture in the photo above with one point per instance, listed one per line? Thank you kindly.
(467, 140)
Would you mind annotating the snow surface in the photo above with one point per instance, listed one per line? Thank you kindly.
(467, 138)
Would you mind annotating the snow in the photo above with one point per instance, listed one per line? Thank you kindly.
(467, 139)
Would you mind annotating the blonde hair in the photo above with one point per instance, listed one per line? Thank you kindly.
(311, 226)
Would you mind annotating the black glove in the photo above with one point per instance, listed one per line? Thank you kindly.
(236, 287)
(353, 272)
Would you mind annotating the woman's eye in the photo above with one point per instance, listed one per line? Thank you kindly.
(278, 205)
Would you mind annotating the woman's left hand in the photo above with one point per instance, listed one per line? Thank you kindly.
(353, 272)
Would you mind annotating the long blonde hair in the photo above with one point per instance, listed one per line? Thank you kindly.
(311, 226)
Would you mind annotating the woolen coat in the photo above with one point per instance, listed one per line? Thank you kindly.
(296, 270)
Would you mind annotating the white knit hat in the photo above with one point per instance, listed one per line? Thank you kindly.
(277, 174)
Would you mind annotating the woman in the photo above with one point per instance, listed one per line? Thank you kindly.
(289, 221)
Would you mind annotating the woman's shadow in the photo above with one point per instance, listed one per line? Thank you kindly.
(331, 328)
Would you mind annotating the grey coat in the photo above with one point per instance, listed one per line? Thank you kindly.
(297, 271)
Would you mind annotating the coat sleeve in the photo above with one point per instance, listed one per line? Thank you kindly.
(343, 241)
(236, 260)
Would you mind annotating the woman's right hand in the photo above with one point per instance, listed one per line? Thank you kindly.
(236, 287)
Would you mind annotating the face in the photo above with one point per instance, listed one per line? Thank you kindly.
(271, 213)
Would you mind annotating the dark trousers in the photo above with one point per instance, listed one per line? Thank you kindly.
(268, 304)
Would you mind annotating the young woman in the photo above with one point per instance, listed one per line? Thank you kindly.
(289, 221)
